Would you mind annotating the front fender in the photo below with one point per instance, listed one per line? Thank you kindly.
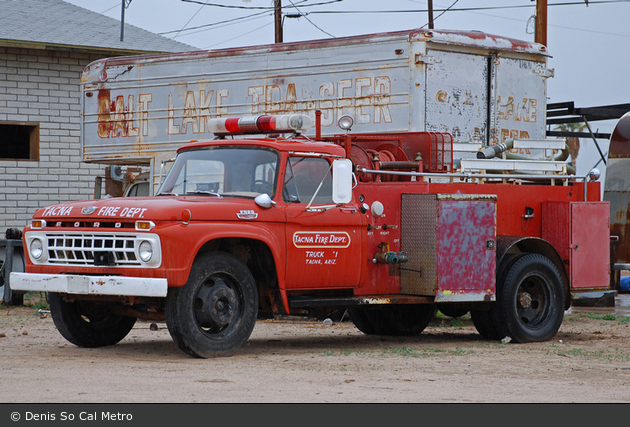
(181, 243)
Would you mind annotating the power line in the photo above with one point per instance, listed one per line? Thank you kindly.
(213, 24)
(463, 9)
(239, 36)
(257, 7)
(443, 12)
(191, 18)
(267, 10)
(311, 22)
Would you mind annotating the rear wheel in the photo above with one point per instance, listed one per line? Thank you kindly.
(367, 320)
(395, 320)
(530, 303)
(215, 312)
(87, 324)
(484, 323)
(409, 320)
(452, 310)
(489, 323)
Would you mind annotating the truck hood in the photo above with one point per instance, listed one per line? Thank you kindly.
(158, 208)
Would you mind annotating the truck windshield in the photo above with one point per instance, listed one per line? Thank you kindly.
(223, 171)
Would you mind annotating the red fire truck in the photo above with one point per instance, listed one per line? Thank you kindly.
(384, 225)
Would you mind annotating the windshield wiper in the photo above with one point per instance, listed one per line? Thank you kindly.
(210, 193)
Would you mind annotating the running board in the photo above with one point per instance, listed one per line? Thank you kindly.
(310, 302)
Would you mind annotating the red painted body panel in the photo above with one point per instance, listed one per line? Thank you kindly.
(384, 230)
(323, 249)
(211, 218)
(512, 201)
(579, 232)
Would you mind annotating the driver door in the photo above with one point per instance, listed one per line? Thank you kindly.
(324, 241)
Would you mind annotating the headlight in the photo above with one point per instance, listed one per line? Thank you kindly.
(36, 249)
(145, 250)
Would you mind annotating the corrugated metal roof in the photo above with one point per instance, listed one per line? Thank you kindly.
(49, 24)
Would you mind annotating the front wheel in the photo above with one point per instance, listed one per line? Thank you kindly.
(215, 312)
(531, 300)
(88, 324)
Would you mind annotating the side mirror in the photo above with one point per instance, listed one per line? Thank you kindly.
(342, 180)
(264, 201)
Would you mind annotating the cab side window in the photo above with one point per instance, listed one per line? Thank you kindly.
(302, 179)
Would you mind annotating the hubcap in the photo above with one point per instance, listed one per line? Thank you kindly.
(216, 305)
(533, 301)
(525, 300)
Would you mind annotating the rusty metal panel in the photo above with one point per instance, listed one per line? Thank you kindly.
(451, 243)
(138, 110)
(157, 104)
(479, 39)
(457, 95)
(519, 99)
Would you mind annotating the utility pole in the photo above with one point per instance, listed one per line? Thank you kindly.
(125, 4)
(430, 7)
(541, 22)
(278, 17)
(122, 21)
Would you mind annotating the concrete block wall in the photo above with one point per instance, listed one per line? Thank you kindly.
(43, 86)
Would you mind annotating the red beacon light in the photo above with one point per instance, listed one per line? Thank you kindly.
(294, 123)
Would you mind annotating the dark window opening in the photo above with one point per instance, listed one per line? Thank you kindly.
(19, 141)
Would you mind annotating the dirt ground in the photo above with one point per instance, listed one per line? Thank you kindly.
(305, 360)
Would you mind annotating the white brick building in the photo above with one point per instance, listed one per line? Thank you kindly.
(44, 47)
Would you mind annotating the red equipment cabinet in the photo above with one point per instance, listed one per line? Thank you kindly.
(579, 231)
(451, 243)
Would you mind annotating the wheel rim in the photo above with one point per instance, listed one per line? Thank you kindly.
(533, 301)
(217, 306)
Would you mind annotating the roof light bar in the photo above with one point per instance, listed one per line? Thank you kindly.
(297, 123)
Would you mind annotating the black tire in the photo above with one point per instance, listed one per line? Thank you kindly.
(88, 324)
(367, 320)
(393, 320)
(215, 312)
(452, 310)
(489, 323)
(408, 320)
(530, 301)
(484, 323)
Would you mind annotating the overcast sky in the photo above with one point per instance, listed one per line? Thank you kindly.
(589, 44)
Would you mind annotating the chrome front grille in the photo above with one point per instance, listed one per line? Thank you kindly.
(90, 249)
(72, 249)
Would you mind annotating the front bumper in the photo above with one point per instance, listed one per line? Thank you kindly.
(89, 285)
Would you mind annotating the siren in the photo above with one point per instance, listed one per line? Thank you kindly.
(294, 123)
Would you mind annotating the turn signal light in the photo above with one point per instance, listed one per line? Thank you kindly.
(186, 215)
(145, 225)
(38, 223)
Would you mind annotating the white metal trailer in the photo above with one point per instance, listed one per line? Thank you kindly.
(481, 88)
